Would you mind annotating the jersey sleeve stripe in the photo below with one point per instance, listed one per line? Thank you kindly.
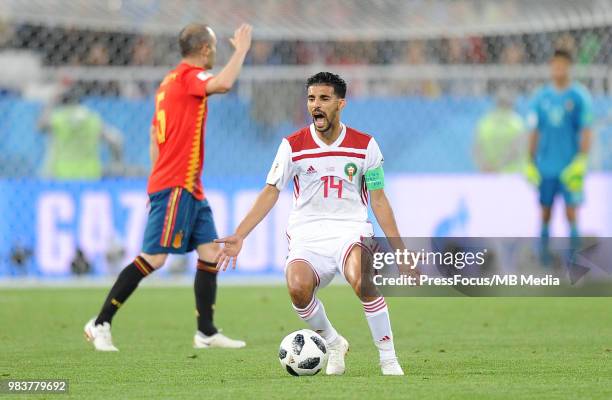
(364, 192)
(296, 186)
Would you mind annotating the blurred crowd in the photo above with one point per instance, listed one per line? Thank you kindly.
(74, 46)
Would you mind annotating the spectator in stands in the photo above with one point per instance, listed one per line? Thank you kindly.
(477, 51)
(453, 51)
(513, 54)
(415, 54)
(566, 42)
(263, 53)
(142, 52)
(501, 138)
(98, 56)
(303, 53)
(76, 134)
(341, 53)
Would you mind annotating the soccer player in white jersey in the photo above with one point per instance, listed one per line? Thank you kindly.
(333, 167)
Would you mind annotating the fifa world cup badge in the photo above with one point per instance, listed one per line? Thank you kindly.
(350, 170)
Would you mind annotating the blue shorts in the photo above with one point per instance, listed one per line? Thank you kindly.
(550, 187)
(178, 223)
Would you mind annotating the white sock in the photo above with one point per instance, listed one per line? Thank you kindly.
(377, 314)
(314, 315)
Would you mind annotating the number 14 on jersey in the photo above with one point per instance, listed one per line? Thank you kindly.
(330, 182)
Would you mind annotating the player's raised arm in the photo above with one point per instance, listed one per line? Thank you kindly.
(233, 244)
(223, 82)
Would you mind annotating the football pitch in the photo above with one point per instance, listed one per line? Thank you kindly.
(451, 348)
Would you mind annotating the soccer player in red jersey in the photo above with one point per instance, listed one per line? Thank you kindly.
(180, 219)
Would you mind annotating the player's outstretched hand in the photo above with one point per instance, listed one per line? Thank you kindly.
(229, 252)
(242, 38)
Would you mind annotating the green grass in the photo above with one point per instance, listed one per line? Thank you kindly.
(451, 348)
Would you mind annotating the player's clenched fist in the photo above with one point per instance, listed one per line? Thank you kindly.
(242, 38)
(230, 250)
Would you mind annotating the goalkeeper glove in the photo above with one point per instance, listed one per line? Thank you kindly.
(532, 174)
(572, 176)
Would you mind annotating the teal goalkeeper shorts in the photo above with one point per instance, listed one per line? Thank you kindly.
(177, 223)
(551, 187)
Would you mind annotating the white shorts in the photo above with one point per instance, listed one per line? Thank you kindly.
(324, 257)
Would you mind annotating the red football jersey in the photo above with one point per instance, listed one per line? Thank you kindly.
(180, 120)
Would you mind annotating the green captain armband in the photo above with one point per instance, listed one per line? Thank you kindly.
(375, 178)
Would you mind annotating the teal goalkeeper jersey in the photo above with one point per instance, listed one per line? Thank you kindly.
(559, 117)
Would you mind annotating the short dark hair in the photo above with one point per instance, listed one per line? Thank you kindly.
(563, 53)
(193, 37)
(329, 79)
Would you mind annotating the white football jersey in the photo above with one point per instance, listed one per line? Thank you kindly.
(330, 195)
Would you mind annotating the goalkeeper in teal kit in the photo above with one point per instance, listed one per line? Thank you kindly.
(560, 119)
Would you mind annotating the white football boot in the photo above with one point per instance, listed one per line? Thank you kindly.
(391, 367)
(337, 350)
(201, 341)
(99, 335)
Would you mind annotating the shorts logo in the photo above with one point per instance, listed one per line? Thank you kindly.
(178, 240)
(350, 170)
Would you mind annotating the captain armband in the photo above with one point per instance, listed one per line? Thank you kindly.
(375, 178)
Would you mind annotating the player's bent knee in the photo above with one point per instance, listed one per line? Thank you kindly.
(300, 291)
(300, 283)
(155, 260)
(300, 297)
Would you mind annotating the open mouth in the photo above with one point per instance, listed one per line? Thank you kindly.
(319, 119)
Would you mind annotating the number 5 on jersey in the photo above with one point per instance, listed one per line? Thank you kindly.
(330, 182)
